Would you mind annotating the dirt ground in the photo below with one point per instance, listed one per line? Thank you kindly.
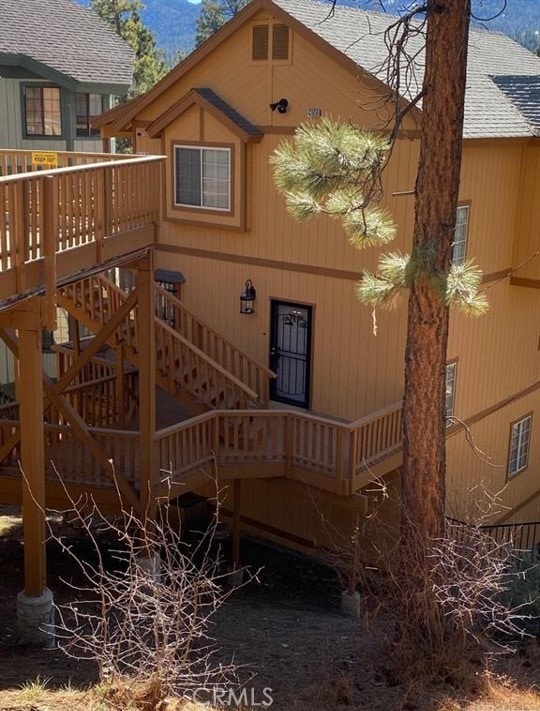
(284, 631)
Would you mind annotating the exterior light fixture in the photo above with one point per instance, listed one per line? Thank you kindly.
(280, 105)
(247, 297)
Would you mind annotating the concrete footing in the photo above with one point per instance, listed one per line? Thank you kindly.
(35, 619)
(350, 604)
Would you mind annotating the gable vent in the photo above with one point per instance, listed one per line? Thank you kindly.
(280, 42)
(259, 45)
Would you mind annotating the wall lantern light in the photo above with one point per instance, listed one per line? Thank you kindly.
(280, 105)
(247, 297)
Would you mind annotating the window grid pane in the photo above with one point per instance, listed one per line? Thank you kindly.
(450, 392)
(519, 446)
(86, 107)
(459, 248)
(203, 177)
(42, 111)
(215, 183)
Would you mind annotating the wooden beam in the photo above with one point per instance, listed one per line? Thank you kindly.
(49, 200)
(80, 430)
(99, 339)
(11, 442)
(30, 398)
(147, 386)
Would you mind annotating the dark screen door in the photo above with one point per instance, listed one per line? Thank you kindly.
(290, 351)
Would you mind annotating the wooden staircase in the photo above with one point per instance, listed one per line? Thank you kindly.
(219, 380)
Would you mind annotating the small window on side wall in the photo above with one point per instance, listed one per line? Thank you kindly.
(451, 374)
(520, 438)
(459, 249)
(86, 107)
(42, 112)
(202, 177)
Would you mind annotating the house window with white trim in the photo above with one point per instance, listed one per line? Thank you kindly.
(42, 112)
(87, 106)
(459, 248)
(202, 177)
(451, 373)
(520, 437)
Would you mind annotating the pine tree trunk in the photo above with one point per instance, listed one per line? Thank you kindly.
(437, 185)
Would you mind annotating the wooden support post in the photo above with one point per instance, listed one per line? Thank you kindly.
(30, 398)
(48, 246)
(236, 524)
(119, 387)
(74, 335)
(147, 386)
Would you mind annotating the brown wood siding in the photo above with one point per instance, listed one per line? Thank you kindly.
(354, 371)
(471, 472)
(527, 233)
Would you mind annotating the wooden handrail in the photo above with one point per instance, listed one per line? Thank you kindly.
(378, 413)
(79, 169)
(177, 304)
(251, 394)
(216, 386)
(219, 348)
(333, 452)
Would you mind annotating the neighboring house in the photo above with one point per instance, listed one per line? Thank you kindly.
(60, 65)
(218, 116)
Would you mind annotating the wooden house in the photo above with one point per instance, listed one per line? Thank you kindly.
(268, 369)
(60, 65)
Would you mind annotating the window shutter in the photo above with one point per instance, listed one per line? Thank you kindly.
(259, 45)
(280, 42)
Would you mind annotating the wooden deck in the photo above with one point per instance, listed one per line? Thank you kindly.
(58, 230)
(58, 224)
(339, 458)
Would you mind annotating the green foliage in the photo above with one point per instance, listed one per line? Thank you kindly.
(124, 18)
(334, 168)
(214, 14)
(463, 288)
(396, 271)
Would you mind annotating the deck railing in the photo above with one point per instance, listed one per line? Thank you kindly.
(45, 213)
(520, 537)
(100, 299)
(180, 364)
(263, 442)
(216, 346)
(327, 453)
(15, 160)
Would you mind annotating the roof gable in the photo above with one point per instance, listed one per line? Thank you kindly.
(355, 38)
(65, 41)
(210, 101)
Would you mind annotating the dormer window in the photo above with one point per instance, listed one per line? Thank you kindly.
(203, 177)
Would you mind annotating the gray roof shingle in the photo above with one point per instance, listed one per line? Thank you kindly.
(491, 110)
(228, 111)
(65, 37)
(524, 93)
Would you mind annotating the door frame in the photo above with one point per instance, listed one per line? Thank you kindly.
(310, 308)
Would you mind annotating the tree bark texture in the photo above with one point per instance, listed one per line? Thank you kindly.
(437, 186)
